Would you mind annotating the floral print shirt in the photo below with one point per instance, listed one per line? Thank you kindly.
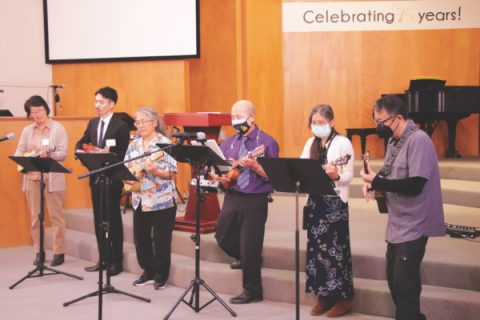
(154, 193)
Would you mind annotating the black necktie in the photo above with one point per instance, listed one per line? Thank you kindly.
(101, 141)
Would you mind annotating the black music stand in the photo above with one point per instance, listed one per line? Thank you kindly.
(298, 176)
(104, 167)
(198, 157)
(42, 165)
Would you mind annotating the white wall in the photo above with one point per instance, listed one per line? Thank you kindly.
(23, 71)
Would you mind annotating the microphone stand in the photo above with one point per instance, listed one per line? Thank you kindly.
(197, 282)
(104, 180)
(55, 98)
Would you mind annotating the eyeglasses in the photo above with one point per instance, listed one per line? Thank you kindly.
(37, 113)
(142, 122)
(382, 122)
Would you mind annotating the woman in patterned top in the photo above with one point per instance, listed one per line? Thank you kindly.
(329, 259)
(153, 199)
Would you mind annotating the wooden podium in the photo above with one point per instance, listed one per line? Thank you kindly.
(210, 123)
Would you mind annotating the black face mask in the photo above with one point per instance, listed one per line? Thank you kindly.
(242, 128)
(384, 131)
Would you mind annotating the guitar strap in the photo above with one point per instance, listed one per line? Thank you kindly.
(387, 168)
(323, 150)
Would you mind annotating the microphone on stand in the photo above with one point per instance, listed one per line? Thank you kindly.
(57, 86)
(199, 136)
(8, 136)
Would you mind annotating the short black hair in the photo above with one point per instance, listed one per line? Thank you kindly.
(392, 104)
(108, 93)
(35, 101)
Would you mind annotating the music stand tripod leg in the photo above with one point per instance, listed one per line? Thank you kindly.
(297, 253)
(40, 267)
(104, 262)
(195, 283)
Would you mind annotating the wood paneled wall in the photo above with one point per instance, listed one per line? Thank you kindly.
(160, 84)
(350, 70)
(15, 226)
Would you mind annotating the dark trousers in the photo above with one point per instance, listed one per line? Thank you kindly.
(403, 276)
(153, 253)
(113, 216)
(240, 232)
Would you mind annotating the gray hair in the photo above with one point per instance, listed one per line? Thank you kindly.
(153, 115)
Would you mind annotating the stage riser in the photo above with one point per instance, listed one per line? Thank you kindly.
(450, 272)
(371, 296)
(461, 169)
(458, 192)
(368, 254)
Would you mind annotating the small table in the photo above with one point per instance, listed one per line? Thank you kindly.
(363, 133)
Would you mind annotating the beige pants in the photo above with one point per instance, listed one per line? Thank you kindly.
(54, 203)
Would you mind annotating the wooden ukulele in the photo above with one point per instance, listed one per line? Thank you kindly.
(90, 148)
(380, 196)
(343, 160)
(236, 167)
(139, 171)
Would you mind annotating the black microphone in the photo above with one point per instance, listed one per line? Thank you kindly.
(199, 136)
(56, 86)
(9, 136)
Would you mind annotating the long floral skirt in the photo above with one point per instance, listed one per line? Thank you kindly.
(329, 258)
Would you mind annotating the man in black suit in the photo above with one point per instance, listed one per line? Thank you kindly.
(108, 132)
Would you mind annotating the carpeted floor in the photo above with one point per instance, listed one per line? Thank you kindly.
(42, 298)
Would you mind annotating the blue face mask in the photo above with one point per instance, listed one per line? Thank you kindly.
(321, 131)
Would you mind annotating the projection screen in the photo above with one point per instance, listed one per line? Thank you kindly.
(120, 30)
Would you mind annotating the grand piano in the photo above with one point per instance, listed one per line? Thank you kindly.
(430, 101)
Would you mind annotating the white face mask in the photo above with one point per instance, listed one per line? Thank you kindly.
(321, 131)
(241, 125)
(238, 121)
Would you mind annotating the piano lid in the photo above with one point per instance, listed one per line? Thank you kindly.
(426, 84)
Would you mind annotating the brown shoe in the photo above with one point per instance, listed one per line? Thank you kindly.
(321, 306)
(340, 308)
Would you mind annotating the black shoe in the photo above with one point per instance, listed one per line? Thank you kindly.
(115, 269)
(246, 298)
(94, 268)
(58, 259)
(36, 261)
(143, 281)
(159, 284)
(237, 264)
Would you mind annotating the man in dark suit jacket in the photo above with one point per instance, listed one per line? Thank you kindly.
(108, 132)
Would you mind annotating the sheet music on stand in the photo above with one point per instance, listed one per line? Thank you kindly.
(212, 144)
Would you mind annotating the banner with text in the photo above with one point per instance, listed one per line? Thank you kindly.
(380, 15)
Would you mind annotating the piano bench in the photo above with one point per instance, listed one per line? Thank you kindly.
(363, 133)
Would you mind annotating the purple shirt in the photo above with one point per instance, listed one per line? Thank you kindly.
(230, 148)
(411, 217)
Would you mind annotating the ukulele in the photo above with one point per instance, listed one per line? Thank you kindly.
(380, 196)
(35, 153)
(236, 167)
(138, 170)
(90, 148)
(343, 160)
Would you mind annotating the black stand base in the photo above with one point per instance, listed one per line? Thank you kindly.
(194, 302)
(40, 268)
(106, 289)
